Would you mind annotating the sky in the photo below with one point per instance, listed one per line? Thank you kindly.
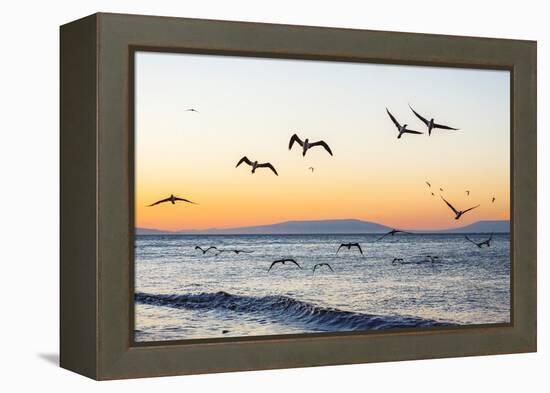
(251, 107)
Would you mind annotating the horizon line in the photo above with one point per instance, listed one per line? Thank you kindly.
(427, 230)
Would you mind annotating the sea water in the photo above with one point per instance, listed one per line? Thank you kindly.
(181, 293)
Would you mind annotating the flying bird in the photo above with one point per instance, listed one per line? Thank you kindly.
(401, 128)
(236, 251)
(493, 200)
(172, 199)
(205, 251)
(282, 261)
(311, 169)
(319, 265)
(431, 124)
(483, 243)
(397, 260)
(440, 189)
(349, 246)
(306, 145)
(433, 194)
(467, 192)
(192, 110)
(255, 165)
(392, 233)
(458, 213)
(428, 183)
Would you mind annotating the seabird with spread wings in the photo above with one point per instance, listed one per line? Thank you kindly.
(392, 233)
(483, 243)
(306, 144)
(431, 124)
(401, 128)
(255, 165)
(319, 265)
(458, 213)
(172, 199)
(349, 246)
(204, 251)
(236, 251)
(283, 261)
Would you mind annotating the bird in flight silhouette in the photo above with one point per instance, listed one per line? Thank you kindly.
(431, 124)
(255, 165)
(458, 213)
(306, 144)
(283, 261)
(402, 129)
(483, 243)
(392, 233)
(172, 199)
(349, 246)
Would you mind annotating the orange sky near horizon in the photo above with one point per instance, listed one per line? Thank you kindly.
(252, 106)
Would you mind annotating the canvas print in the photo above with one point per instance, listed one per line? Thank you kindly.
(283, 196)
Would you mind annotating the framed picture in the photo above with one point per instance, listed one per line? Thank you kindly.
(241, 196)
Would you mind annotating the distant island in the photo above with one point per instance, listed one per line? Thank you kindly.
(496, 226)
(349, 226)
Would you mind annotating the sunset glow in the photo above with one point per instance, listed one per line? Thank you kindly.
(252, 106)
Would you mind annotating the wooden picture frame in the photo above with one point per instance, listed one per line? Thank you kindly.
(97, 227)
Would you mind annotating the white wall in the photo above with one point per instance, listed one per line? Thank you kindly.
(29, 192)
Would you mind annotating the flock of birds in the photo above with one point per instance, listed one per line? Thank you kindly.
(432, 259)
(306, 145)
(431, 124)
(218, 251)
(458, 213)
(282, 261)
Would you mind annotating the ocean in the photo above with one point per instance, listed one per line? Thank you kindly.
(182, 294)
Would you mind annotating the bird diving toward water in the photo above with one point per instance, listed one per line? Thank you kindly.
(172, 199)
(401, 128)
(192, 110)
(255, 165)
(283, 261)
(392, 233)
(306, 144)
(458, 213)
(204, 251)
(483, 243)
(319, 265)
(349, 246)
(431, 124)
